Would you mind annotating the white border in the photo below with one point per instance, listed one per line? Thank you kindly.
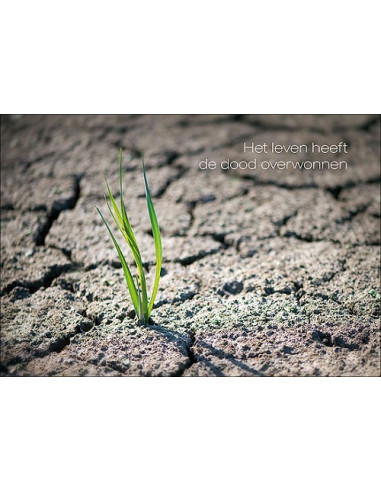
(189, 434)
(244, 434)
(200, 57)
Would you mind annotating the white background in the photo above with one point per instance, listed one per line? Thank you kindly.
(199, 56)
(194, 435)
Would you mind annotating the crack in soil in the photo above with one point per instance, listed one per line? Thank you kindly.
(285, 219)
(191, 356)
(185, 296)
(66, 252)
(161, 191)
(353, 213)
(188, 260)
(57, 208)
(310, 239)
(56, 346)
(34, 285)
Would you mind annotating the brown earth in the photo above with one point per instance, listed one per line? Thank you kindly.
(265, 273)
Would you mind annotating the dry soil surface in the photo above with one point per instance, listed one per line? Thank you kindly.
(265, 272)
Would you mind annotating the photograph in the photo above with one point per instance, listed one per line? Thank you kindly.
(190, 245)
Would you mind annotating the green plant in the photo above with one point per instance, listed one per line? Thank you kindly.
(137, 288)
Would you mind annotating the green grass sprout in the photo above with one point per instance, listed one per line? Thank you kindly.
(136, 284)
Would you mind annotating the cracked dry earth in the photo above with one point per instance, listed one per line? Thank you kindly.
(265, 273)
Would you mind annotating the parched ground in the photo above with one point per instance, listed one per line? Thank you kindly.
(265, 273)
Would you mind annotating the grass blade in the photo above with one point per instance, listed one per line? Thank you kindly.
(124, 218)
(126, 270)
(142, 291)
(156, 238)
(118, 219)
